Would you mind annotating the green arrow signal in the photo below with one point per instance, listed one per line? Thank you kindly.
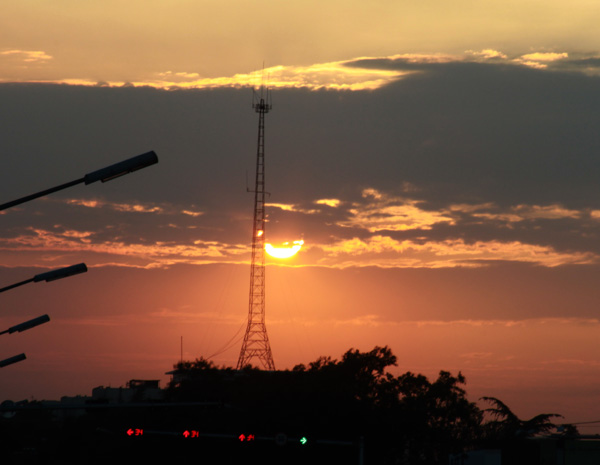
(303, 440)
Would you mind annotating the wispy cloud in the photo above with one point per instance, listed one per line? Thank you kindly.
(374, 320)
(487, 54)
(386, 252)
(193, 316)
(27, 56)
(136, 208)
(421, 57)
(540, 60)
(545, 56)
(123, 207)
(282, 206)
(379, 228)
(333, 203)
(132, 207)
(154, 254)
(186, 317)
(192, 213)
(357, 74)
(332, 76)
(290, 208)
(384, 212)
(335, 75)
(531, 212)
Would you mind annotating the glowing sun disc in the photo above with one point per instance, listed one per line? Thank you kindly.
(284, 252)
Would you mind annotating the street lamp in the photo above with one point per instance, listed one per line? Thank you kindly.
(51, 275)
(46, 276)
(40, 320)
(105, 174)
(11, 360)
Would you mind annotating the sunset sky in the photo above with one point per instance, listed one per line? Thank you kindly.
(439, 160)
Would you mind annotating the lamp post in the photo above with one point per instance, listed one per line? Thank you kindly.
(51, 275)
(11, 360)
(40, 320)
(46, 276)
(105, 174)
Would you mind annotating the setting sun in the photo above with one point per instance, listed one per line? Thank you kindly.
(284, 252)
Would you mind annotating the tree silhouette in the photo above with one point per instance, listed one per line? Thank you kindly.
(402, 419)
(436, 419)
(405, 419)
(506, 425)
(359, 376)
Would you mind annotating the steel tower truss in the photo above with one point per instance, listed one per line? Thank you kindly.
(256, 342)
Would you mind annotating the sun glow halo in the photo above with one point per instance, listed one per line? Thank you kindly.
(284, 252)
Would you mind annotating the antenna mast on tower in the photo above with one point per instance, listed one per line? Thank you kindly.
(256, 342)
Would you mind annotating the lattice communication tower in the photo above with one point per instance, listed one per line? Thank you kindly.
(256, 342)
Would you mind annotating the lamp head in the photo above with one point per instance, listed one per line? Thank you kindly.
(60, 273)
(119, 169)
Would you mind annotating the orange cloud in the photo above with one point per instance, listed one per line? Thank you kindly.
(156, 254)
(368, 237)
(334, 203)
(390, 213)
(289, 208)
(425, 57)
(282, 206)
(192, 213)
(544, 56)
(595, 214)
(531, 212)
(546, 212)
(333, 75)
(336, 75)
(86, 203)
(386, 252)
(131, 207)
(488, 54)
(540, 60)
(28, 56)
